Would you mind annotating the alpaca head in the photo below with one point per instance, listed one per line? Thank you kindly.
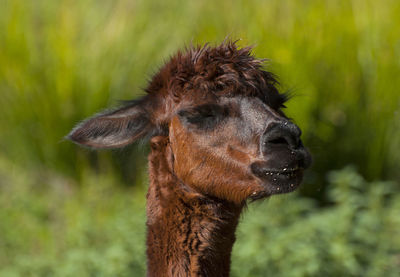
(221, 114)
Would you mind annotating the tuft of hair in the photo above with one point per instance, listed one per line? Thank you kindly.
(223, 69)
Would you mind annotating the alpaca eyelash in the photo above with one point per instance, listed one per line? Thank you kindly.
(284, 97)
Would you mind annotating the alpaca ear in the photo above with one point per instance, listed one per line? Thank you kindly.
(115, 128)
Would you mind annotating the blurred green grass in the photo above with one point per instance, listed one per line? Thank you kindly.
(61, 61)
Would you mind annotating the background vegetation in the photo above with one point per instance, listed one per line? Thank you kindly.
(67, 211)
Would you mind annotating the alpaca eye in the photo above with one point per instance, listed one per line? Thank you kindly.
(204, 116)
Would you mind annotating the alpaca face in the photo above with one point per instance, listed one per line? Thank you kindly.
(221, 113)
(237, 147)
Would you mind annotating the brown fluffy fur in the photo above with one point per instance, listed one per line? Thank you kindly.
(215, 123)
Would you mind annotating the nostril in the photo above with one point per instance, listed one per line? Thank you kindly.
(282, 134)
(283, 140)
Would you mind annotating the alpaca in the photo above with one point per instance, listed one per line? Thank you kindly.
(218, 138)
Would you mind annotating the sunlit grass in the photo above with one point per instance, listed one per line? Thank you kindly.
(61, 61)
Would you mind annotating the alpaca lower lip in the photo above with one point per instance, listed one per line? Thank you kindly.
(282, 181)
(284, 170)
(282, 173)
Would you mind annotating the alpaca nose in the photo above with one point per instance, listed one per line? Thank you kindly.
(284, 134)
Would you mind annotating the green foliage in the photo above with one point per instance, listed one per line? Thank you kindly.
(358, 234)
(51, 228)
(61, 61)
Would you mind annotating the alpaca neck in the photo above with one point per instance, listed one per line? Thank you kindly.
(188, 234)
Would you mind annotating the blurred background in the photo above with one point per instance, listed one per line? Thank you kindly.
(68, 211)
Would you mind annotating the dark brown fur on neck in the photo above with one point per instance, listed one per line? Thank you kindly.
(188, 234)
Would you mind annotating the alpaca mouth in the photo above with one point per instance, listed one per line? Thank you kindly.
(277, 181)
(285, 172)
(284, 180)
